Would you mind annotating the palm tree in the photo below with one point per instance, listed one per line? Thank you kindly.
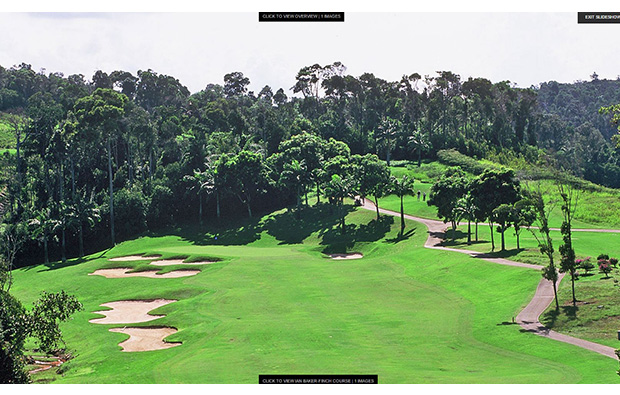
(203, 182)
(400, 188)
(387, 132)
(84, 211)
(43, 227)
(419, 142)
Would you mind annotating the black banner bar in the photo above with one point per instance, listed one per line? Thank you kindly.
(301, 16)
(598, 17)
(318, 379)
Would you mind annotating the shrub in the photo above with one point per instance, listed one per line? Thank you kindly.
(604, 267)
(584, 264)
(602, 256)
(613, 261)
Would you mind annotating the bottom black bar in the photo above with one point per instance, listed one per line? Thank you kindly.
(318, 379)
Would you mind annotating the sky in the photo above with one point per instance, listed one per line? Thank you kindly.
(200, 48)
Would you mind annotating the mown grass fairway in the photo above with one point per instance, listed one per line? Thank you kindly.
(275, 304)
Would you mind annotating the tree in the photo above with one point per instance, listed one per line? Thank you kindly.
(466, 208)
(42, 227)
(292, 176)
(491, 189)
(418, 142)
(245, 175)
(84, 211)
(567, 252)
(446, 193)
(387, 132)
(523, 216)
(503, 214)
(373, 177)
(235, 84)
(336, 190)
(545, 243)
(401, 188)
(101, 113)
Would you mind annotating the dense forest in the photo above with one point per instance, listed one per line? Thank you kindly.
(93, 162)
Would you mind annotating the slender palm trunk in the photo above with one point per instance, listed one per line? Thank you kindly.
(468, 231)
(45, 251)
(503, 243)
(111, 193)
(200, 209)
(476, 230)
(402, 216)
(492, 238)
(217, 204)
(81, 239)
(572, 280)
(63, 247)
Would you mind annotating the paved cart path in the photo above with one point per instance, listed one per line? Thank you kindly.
(528, 318)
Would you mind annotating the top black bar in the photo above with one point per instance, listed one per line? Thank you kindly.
(598, 17)
(301, 16)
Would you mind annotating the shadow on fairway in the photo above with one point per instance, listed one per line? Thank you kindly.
(335, 241)
(70, 262)
(287, 229)
(402, 236)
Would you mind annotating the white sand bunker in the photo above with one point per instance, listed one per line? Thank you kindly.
(170, 262)
(353, 255)
(121, 272)
(146, 339)
(130, 311)
(133, 258)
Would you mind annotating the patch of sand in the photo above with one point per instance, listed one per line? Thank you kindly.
(130, 311)
(133, 258)
(121, 272)
(354, 255)
(145, 339)
(170, 262)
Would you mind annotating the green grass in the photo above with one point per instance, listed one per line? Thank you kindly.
(275, 304)
(7, 138)
(596, 317)
(586, 320)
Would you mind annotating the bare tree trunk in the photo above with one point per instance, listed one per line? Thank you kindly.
(377, 206)
(81, 240)
(111, 193)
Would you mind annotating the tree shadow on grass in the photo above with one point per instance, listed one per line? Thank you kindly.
(402, 236)
(335, 241)
(240, 231)
(549, 318)
(499, 254)
(287, 229)
(70, 262)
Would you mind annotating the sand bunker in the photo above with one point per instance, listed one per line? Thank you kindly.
(121, 272)
(170, 262)
(130, 311)
(146, 339)
(353, 255)
(134, 258)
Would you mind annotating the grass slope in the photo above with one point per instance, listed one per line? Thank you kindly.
(275, 304)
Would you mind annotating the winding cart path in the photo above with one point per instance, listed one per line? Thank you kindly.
(528, 318)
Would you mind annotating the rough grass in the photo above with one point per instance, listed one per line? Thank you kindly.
(7, 138)
(276, 304)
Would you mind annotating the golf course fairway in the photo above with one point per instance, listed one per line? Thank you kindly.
(275, 303)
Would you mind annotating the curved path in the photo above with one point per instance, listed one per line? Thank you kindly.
(528, 317)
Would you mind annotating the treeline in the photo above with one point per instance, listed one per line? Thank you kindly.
(104, 159)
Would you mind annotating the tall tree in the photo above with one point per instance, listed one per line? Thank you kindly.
(101, 113)
(402, 188)
(545, 243)
(567, 261)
